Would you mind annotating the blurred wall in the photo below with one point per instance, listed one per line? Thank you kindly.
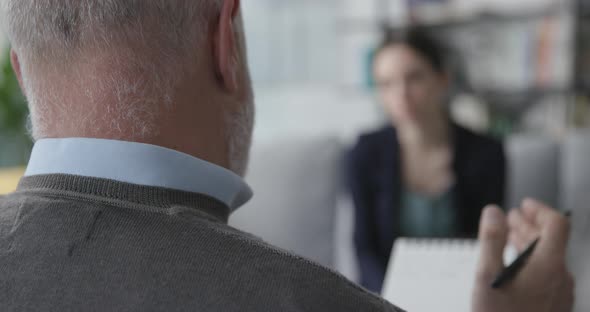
(309, 67)
(313, 111)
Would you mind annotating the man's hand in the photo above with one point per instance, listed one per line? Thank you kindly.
(544, 283)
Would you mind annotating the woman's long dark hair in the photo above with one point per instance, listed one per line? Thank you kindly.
(418, 40)
(431, 50)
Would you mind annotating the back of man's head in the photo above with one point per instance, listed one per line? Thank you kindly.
(119, 51)
(166, 72)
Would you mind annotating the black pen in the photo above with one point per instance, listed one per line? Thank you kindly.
(510, 271)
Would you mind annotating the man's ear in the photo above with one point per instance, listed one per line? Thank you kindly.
(226, 47)
(17, 68)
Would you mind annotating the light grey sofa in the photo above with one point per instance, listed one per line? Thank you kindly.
(555, 172)
(296, 187)
(300, 203)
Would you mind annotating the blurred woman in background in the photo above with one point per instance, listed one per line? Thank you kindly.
(421, 175)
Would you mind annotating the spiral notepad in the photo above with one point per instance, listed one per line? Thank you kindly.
(432, 275)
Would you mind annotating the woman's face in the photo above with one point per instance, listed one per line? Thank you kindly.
(411, 90)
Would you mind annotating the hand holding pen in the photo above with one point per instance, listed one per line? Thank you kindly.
(519, 239)
(542, 282)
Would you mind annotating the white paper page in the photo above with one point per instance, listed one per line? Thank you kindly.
(434, 275)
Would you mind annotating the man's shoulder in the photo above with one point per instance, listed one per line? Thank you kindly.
(282, 279)
(309, 282)
(204, 263)
(217, 255)
(8, 205)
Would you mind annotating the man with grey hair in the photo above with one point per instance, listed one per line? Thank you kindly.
(142, 112)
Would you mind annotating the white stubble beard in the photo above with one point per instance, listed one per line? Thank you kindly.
(240, 125)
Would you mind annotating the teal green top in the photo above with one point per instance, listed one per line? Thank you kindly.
(428, 217)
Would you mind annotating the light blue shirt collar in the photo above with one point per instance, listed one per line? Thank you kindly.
(137, 163)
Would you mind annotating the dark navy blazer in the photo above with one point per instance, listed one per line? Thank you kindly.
(374, 179)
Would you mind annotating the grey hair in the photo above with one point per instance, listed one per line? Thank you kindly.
(66, 26)
(49, 34)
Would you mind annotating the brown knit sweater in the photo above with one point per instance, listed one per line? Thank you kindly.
(71, 243)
